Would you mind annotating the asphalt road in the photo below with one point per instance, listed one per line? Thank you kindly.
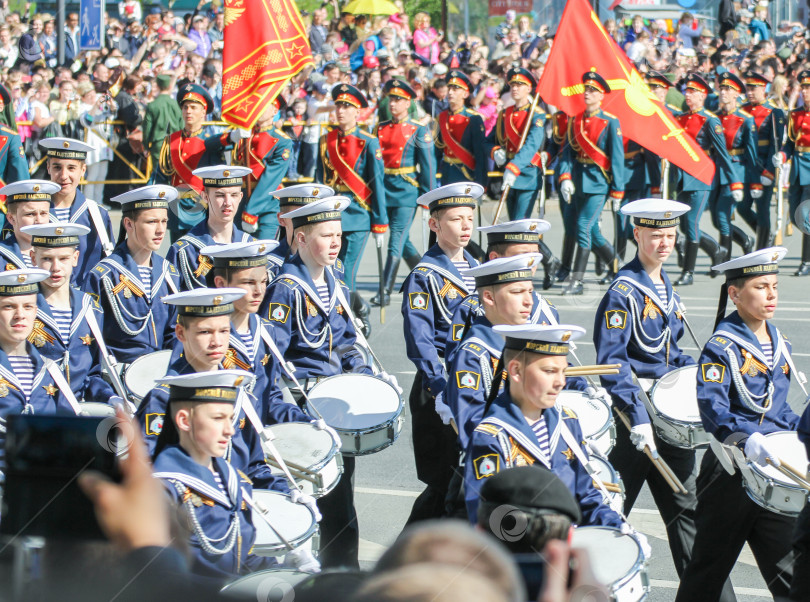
(386, 483)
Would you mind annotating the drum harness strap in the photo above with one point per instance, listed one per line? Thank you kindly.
(108, 360)
(746, 396)
(98, 223)
(59, 379)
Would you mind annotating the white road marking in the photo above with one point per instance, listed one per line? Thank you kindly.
(394, 492)
(741, 591)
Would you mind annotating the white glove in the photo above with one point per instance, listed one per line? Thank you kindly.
(639, 537)
(305, 500)
(756, 193)
(391, 380)
(442, 409)
(500, 157)
(765, 181)
(379, 238)
(508, 179)
(303, 560)
(601, 394)
(567, 190)
(616, 205)
(641, 435)
(239, 134)
(778, 160)
(760, 450)
(322, 426)
(737, 195)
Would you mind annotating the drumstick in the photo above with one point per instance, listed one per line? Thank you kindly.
(590, 371)
(791, 473)
(262, 511)
(613, 487)
(801, 475)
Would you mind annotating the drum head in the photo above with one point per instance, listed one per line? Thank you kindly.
(675, 395)
(607, 474)
(613, 555)
(301, 443)
(790, 450)
(93, 408)
(294, 521)
(354, 402)
(593, 415)
(142, 375)
(271, 586)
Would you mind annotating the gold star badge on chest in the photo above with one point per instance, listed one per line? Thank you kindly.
(50, 390)
(265, 359)
(569, 455)
(87, 339)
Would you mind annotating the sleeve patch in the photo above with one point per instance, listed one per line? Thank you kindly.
(486, 466)
(418, 300)
(468, 380)
(616, 318)
(713, 373)
(720, 341)
(279, 312)
(457, 331)
(474, 349)
(154, 424)
(622, 288)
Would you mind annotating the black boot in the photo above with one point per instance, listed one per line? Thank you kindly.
(389, 276)
(679, 244)
(763, 238)
(580, 263)
(716, 252)
(361, 310)
(689, 260)
(742, 239)
(725, 246)
(412, 261)
(607, 255)
(569, 242)
(804, 268)
(550, 265)
(599, 265)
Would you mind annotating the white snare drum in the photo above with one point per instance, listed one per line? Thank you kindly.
(141, 376)
(673, 409)
(311, 455)
(608, 474)
(274, 585)
(295, 522)
(617, 561)
(94, 408)
(595, 419)
(770, 488)
(364, 410)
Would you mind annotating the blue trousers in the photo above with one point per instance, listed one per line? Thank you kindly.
(519, 203)
(351, 252)
(569, 216)
(690, 223)
(721, 204)
(796, 194)
(756, 212)
(399, 227)
(589, 207)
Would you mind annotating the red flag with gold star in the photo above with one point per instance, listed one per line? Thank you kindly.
(642, 116)
(266, 44)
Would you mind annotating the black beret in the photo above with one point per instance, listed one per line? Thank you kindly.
(530, 488)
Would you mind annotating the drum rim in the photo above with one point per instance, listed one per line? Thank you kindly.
(294, 541)
(640, 564)
(334, 450)
(397, 413)
(756, 468)
(605, 427)
(226, 588)
(673, 419)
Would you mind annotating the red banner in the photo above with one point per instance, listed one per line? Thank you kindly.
(266, 44)
(499, 7)
(642, 116)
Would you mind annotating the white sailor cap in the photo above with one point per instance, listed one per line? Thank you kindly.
(516, 232)
(460, 194)
(156, 196)
(218, 386)
(324, 210)
(758, 263)
(655, 213)
(302, 194)
(21, 282)
(539, 338)
(221, 176)
(55, 235)
(205, 302)
(504, 269)
(240, 255)
(65, 148)
(30, 190)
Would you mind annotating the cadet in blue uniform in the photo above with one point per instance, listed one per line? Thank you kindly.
(797, 150)
(521, 164)
(705, 128)
(268, 153)
(410, 170)
(68, 321)
(638, 324)
(215, 496)
(350, 161)
(28, 202)
(591, 170)
(13, 164)
(459, 136)
(29, 382)
(308, 309)
(742, 387)
(800, 585)
(770, 123)
(130, 283)
(431, 293)
(222, 194)
(66, 167)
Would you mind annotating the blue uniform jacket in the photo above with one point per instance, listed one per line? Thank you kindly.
(467, 129)
(707, 131)
(796, 146)
(636, 167)
(80, 352)
(271, 149)
(13, 164)
(185, 254)
(523, 163)
(636, 329)
(734, 377)
(504, 439)
(431, 293)
(602, 129)
(742, 130)
(11, 254)
(192, 486)
(134, 325)
(406, 146)
(90, 249)
(360, 215)
(317, 339)
(770, 123)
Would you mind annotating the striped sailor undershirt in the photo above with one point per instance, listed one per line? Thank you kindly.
(145, 274)
(218, 480)
(63, 319)
(27, 260)
(23, 367)
(323, 294)
(541, 432)
(62, 214)
(247, 341)
(469, 281)
(767, 350)
(661, 289)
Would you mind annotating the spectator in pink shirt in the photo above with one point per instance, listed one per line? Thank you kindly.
(425, 38)
(489, 109)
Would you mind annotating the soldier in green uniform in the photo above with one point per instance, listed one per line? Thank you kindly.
(162, 116)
